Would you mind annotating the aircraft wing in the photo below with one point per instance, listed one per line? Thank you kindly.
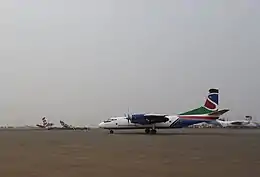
(156, 118)
(236, 123)
(41, 126)
(148, 118)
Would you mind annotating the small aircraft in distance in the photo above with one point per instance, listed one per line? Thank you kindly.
(246, 123)
(150, 122)
(50, 126)
(70, 127)
(45, 124)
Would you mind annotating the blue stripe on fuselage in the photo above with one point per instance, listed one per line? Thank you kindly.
(180, 123)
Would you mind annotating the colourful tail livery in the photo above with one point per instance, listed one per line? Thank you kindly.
(207, 113)
(212, 100)
(210, 105)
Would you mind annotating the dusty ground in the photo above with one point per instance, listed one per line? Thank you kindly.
(181, 153)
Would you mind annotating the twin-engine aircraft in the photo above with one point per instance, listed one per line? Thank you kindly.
(151, 122)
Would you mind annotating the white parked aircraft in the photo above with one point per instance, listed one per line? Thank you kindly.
(70, 127)
(150, 122)
(247, 122)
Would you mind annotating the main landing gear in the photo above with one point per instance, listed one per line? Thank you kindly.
(150, 131)
(147, 131)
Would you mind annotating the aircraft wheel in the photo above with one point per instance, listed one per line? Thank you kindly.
(147, 130)
(111, 131)
(153, 131)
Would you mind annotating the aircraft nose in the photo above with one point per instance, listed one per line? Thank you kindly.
(101, 125)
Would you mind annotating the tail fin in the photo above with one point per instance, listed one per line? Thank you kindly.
(44, 121)
(212, 101)
(210, 105)
(62, 123)
(248, 118)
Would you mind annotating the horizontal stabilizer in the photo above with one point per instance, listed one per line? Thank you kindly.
(219, 113)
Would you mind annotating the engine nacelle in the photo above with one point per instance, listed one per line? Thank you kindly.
(139, 119)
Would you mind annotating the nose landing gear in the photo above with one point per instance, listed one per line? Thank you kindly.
(147, 130)
(111, 131)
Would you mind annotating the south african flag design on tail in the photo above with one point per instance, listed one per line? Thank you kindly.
(206, 113)
(210, 105)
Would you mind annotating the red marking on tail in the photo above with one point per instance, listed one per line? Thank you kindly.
(210, 105)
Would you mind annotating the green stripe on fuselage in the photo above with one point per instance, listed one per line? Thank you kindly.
(201, 110)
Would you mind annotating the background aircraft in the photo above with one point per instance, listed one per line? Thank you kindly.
(70, 127)
(151, 122)
(247, 122)
(45, 124)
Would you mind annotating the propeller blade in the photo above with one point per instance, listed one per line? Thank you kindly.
(128, 117)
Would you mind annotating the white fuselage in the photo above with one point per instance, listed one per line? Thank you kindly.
(124, 123)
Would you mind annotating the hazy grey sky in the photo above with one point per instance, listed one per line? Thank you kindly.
(86, 60)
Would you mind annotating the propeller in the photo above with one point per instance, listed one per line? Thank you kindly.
(128, 117)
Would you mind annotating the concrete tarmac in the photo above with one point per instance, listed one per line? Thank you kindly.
(180, 153)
